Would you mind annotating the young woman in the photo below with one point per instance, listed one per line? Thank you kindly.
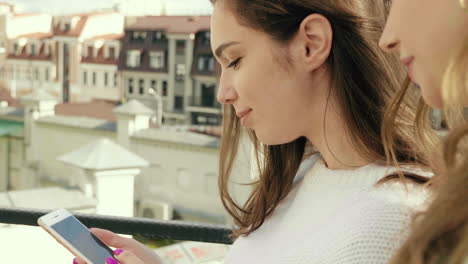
(431, 37)
(307, 80)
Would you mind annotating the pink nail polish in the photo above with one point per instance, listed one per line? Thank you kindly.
(74, 261)
(111, 261)
(118, 251)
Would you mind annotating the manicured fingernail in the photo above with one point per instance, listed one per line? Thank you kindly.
(74, 261)
(111, 261)
(118, 251)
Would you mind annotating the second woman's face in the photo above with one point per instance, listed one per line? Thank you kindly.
(428, 34)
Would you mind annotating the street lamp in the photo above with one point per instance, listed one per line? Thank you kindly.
(158, 98)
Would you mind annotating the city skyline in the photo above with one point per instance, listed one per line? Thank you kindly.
(58, 7)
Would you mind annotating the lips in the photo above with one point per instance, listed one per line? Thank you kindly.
(244, 113)
(408, 62)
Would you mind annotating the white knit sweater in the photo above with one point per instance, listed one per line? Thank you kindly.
(333, 217)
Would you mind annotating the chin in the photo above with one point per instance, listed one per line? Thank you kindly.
(432, 96)
(271, 139)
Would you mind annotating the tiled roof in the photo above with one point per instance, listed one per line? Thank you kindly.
(78, 29)
(108, 37)
(36, 35)
(6, 96)
(100, 58)
(172, 24)
(98, 109)
(74, 32)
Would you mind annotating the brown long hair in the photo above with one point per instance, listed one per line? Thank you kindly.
(440, 234)
(364, 81)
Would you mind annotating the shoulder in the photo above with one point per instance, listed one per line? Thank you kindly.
(374, 227)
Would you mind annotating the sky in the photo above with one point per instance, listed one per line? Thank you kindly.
(57, 7)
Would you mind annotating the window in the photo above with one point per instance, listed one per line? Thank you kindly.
(179, 103)
(16, 48)
(112, 53)
(157, 59)
(90, 52)
(85, 77)
(36, 74)
(94, 78)
(115, 79)
(180, 72)
(106, 79)
(164, 88)
(33, 50)
(153, 85)
(138, 36)
(46, 74)
(205, 38)
(180, 47)
(130, 86)
(158, 36)
(133, 58)
(66, 26)
(206, 63)
(141, 86)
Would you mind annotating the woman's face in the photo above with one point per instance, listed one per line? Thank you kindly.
(427, 34)
(262, 80)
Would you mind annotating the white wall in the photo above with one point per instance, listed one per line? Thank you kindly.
(55, 140)
(180, 174)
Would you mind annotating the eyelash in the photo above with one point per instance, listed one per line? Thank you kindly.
(234, 64)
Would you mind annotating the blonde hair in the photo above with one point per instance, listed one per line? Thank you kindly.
(440, 234)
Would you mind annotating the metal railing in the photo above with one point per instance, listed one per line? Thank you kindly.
(153, 229)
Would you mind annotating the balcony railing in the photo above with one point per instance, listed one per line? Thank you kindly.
(153, 229)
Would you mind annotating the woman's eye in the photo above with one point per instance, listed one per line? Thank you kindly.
(234, 64)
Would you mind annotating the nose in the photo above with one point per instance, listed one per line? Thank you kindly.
(389, 42)
(226, 92)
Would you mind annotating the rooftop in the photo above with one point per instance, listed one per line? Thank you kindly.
(172, 24)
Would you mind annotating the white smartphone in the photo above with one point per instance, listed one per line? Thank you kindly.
(75, 236)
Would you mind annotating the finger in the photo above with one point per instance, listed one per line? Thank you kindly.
(78, 260)
(126, 257)
(110, 238)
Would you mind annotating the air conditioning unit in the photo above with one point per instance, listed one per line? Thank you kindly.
(155, 210)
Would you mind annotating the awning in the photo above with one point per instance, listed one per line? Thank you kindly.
(11, 128)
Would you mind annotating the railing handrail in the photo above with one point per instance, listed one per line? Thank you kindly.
(155, 229)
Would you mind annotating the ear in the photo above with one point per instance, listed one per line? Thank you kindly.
(314, 41)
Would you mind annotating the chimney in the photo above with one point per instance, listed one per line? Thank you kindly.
(111, 171)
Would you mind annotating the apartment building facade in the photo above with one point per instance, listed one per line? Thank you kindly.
(164, 54)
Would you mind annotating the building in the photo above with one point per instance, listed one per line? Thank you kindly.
(171, 55)
(98, 70)
(56, 54)
(96, 34)
(6, 11)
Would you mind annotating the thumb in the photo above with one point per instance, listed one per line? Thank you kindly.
(126, 257)
(110, 238)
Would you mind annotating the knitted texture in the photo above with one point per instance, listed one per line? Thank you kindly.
(333, 216)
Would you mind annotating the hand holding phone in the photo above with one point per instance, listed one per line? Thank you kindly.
(75, 237)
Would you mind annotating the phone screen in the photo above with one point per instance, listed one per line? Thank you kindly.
(75, 233)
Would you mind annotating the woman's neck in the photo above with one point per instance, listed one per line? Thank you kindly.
(331, 138)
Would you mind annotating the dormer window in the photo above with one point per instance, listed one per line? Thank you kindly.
(138, 36)
(33, 50)
(16, 49)
(158, 36)
(66, 26)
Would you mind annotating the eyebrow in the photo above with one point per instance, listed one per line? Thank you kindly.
(219, 51)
